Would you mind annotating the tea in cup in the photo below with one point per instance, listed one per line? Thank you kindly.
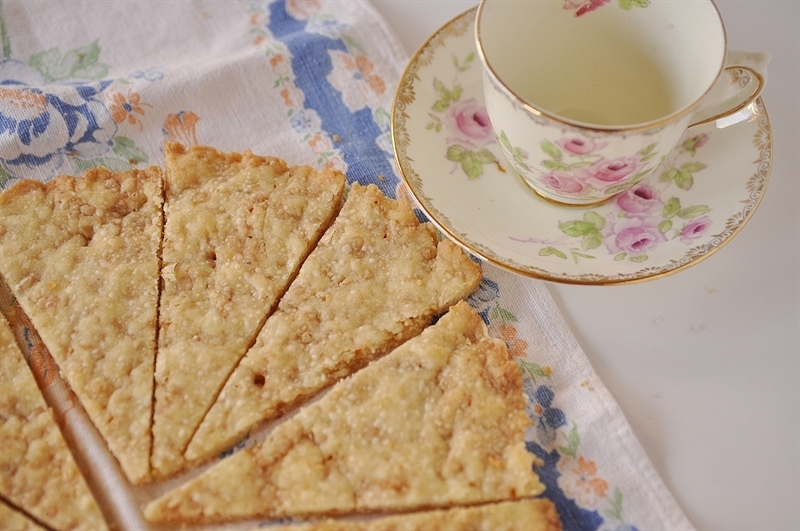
(586, 98)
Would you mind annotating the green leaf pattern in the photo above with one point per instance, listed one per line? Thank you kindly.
(103, 108)
(643, 217)
(465, 123)
(79, 63)
(578, 475)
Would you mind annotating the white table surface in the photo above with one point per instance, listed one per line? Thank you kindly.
(704, 363)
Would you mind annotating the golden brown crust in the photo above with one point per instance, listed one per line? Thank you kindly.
(81, 257)
(438, 422)
(238, 226)
(21, 189)
(37, 470)
(538, 514)
(12, 520)
(377, 278)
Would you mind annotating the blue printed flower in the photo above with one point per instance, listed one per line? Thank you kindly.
(482, 297)
(326, 26)
(40, 126)
(152, 73)
(546, 418)
(305, 121)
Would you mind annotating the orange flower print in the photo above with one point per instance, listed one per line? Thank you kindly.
(302, 9)
(579, 481)
(320, 143)
(363, 68)
(282, 68)
(286, 96)
(278, 60)
(355, 78)
(126, 109)
(517, 347)
(181, 127)
(292, 97)
(20, 102)
(258, 20)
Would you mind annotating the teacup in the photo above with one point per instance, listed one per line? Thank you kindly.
(586, 97)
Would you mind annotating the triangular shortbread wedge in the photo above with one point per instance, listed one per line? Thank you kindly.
(238, 226)
(438, 422)
(535, 514)
(37, 471)
(81, 257)
(13, 520)
(377, 278)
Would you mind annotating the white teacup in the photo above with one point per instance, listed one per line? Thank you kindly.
(586, 97)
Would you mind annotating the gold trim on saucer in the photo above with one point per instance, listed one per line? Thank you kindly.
(406, 94)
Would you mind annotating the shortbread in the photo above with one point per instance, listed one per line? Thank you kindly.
(37, 471)
(81, 257)
(238, 226)
(438, 422)
(12, 520)
(377, 278)
(535, 514)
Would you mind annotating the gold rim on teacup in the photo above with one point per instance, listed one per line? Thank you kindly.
(579, 159)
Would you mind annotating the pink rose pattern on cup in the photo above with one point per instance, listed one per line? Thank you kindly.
(581, 7)
(576, 166)
(465, 121)
(603, 176)
(630, 227)
(648, 215)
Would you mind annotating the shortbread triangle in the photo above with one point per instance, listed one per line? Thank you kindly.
(377, 278)
(38, 474)
(438, 422)
(81, 257)
(238, 226)
(533, 514)
(13, 520)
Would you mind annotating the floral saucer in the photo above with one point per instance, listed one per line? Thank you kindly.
(701, 196)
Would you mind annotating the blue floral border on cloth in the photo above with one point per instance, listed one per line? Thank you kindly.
(314, 80)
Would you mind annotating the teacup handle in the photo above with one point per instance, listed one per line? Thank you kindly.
(736, 91)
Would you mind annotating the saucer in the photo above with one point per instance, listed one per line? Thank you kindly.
(701, 196)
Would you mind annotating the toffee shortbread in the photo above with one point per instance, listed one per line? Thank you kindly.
(13, 520)
(535, 514)
(238, 227)
(188, 307)
(376, 279)
(437, 422)
(81, 257)
(37, 471)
